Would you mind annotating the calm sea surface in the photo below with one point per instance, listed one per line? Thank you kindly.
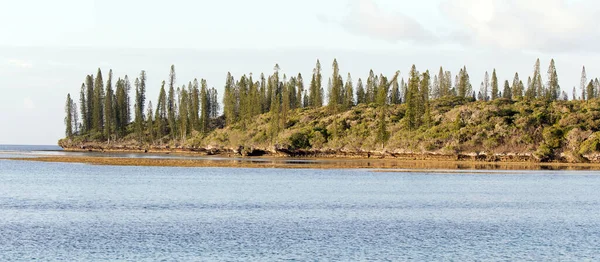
(77, 212)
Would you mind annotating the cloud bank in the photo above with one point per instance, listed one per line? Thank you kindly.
(535, 25)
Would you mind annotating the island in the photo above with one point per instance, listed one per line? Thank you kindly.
(427, 117)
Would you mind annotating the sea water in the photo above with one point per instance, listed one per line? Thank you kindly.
(79, 212)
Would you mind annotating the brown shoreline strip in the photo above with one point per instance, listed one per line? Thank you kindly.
(380, 165)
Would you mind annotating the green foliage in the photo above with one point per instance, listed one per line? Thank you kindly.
(300, 140)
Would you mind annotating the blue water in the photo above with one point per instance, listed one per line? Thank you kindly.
(77, 212)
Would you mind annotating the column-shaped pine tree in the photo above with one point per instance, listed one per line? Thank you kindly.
(495, 88)
(69, 117)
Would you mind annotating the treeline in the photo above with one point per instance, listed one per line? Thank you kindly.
(105, 113)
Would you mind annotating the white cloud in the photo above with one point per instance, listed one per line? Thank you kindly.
(537, 25)
(28, 103)
(366, 18)
(19, 63)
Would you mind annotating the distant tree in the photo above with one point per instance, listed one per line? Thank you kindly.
(553, 92)
(183, 114)
(530, 93)
(69, 117)
(383, 135)
(507, 92)
(204, 108)
(517, 91)
(299, 91)
(98, 103)
(316, 94)
(412, 99)
(89, 85)
(150, 123)
(84, 112)
(583, 84)
(371, 92)
(139, 115)
(590, 92)
(348, 93)
(127, 111)
(424, 106)
(195, 105)
(109, 117)
(382, 89)
(141, 100)
(336, 89)
(537, 87)
(495, 88)
(463, 86)
(485, 87)
(360, 92)
(171, 103)
(395, 96)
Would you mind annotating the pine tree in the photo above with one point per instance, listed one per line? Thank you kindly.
(530, 93)
(463, 86)
(69, 117)
(553, 91)
(395, 98)
(381, 98)
(517, 91)
(435, 88)
(348, 93)
(299, 91)
(484, 90)
(583, 84)
(171, 104)
(412, 99)
(336, 89)
(590, 92)
(109, 117)
(195, 105)
(285, 103)
(83, 105)
(360, 92)
(161, 118)
(537, 86)
(370, 93)
(495, 88)
(424, 106)
(75, 118)
(98, 103)
(316, 94)
(150, 123)
(183, 114)
(139, 115)
(264, 102)
(444, 89)
(383, 135)
(214, 103)
(204, 111)
(507, 92)
(127, 111)
(448, 83)
(89, 85)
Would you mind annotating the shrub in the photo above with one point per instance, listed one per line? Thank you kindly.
(299, 140)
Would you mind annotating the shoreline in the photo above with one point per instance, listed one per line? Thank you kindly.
(383, 165)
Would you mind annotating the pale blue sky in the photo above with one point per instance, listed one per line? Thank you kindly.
(47, 47)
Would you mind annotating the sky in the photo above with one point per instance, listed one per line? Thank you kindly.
(48, 47)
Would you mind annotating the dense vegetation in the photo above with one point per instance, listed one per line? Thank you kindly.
(428, 113)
